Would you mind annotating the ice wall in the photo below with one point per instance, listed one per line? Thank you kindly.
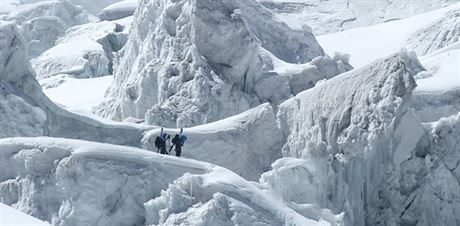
(191, 62)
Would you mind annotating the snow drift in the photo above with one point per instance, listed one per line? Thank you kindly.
(180, 66)
(363, 149)
(118, 10)
(72, 182)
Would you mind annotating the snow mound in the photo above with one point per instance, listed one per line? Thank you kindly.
(26, 111)
(118, 10)
(180, 66)
(84, 51)
(73, 182)
(12, 217)
(357, 136)
(43, 22)
(246, 143)
(338, 15)
(438, 35)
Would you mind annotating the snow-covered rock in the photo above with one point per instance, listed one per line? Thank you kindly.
(73, 182)
(438, 35)
(337, 15)
(364, 150)
(246, 143)
(118, 10)
(181, 66)
(84, 51)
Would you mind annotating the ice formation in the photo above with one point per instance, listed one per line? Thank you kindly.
(246, 143)
(365, 153)
(438, 35)
(84, 51)
(337, 15)
(185, 64)
(26, 111)
(43, 22)
(73, 182)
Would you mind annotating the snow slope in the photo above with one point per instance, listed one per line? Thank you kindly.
(361, 42)
(180, 66)
(73, 182)
(12, 217)
(337, 15)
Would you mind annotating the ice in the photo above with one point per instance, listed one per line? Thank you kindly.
(43, 22)
(73, 182)
(338, 15)
(84, 51)
(246, 143)
(118, 10)
(180, 66)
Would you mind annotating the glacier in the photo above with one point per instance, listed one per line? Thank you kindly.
(176, 71)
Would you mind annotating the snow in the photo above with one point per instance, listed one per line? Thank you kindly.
(361, 42)
(338, 15)
(180, 66)
(118, 10)
(12, 217)
(93, 183)
(80, 95)
(236, 143)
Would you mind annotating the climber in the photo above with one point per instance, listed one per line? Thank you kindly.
(160, 142)
(178, 141)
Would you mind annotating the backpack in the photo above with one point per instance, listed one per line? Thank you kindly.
(158, 142)
(182, 139)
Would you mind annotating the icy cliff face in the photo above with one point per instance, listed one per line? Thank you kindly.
(43, 22)
(72, 182)
(438, 35)
(356, 141)
(337, 15)
(191, 62)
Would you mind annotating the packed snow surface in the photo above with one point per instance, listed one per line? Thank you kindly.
(337, 15)
(12, 217)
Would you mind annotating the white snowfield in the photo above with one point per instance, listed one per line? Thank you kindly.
(181, 66)
(13, 217)
(74, 182)
(338, 15)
